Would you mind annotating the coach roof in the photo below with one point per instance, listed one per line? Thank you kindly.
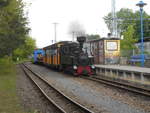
(56, 44)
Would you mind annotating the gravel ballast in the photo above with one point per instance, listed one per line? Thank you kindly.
(95, 96)
(31, 98)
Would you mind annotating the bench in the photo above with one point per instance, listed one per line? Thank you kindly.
(137, 58)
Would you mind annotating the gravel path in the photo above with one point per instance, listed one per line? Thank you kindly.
(30, 97)
(99, 98)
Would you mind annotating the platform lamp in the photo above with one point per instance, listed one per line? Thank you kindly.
(141, 4)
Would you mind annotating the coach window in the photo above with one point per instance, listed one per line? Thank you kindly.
(51, 52)
(47, 53)
(55, 51)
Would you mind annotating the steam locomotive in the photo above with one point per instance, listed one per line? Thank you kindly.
(69, 57)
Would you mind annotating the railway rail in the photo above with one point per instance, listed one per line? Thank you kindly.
(125, 86)
(63, 103)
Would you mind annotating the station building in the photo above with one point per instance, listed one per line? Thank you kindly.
(104, 50)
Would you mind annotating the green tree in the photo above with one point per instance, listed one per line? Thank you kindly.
(125, 18)
(4, 3)
(128, 43)
(25, 50)
(123, 15)
(18, 53)
(29, 46)
(13, 26)
(92, 37)
(146, 25)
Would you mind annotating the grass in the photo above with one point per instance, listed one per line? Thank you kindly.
(23, 60)
(8, 97)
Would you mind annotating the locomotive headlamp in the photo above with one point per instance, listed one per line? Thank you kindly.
(93, 67)
(75, 67)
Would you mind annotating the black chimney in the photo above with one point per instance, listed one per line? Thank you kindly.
(81, 40)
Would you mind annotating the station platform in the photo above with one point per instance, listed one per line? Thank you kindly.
(133, 73)
(143, 70)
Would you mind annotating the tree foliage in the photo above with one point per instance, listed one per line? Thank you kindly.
(25, 50)
(13, 26)
(125, 18)
(92, 37)
(128, 42)
(4, 3)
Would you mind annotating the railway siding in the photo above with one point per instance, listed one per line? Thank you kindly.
(31, 98)
(94, 95)
(62, 102)
(125, 86)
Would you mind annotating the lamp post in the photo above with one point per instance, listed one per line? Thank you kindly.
(141, 4)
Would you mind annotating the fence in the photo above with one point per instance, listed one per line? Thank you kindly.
(133, 57)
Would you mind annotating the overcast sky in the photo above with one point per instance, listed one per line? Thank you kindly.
(90, 13)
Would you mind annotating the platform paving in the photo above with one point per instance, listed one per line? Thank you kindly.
(143, 70)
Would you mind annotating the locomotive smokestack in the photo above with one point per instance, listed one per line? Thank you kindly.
(81, 40)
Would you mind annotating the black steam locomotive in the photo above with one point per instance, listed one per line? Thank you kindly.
(69, 56)
(75, 60)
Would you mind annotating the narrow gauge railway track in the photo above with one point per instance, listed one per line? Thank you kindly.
(125, 86)
(63, 103)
